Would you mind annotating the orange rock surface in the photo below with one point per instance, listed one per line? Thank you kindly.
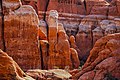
(20, 34)
(103, 61)
(9, 69)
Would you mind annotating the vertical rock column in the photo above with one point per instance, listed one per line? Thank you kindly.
(52, 35)
(59, 47)
(20, 29)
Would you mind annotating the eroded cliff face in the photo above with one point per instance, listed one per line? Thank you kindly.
(56, 50)
(60, 41)
(84, 19)
(70, 10)
(33, 44)
(19, 27)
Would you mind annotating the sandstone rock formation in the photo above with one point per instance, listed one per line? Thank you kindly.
(59, 47)
(74, 58)
(54, 74)
(20, 34)
(33, 44)
(55, 49)
(69, 9)
(9, 69)
(92, 30)
(85, 13)
(103, 61)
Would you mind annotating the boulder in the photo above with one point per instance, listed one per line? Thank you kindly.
(9, 69)
(53, 74)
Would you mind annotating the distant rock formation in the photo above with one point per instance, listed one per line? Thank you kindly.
(103, 61)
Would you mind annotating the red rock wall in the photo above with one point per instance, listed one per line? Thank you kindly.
(20, 34)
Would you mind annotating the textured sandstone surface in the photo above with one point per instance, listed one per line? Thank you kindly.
(59, 47)
(34, 44)
(9, 69)
(20, 34)
(54, 45)
(54, 74)
(103, 61)
(67, 32)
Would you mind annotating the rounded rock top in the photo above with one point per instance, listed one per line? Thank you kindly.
(54, 14)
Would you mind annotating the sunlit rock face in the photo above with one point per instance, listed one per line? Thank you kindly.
(103, 61)
(9, 69)
(20, 34)
(85, 20)
(59, 47)
(34, 43)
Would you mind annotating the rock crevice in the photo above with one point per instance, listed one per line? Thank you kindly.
(2, 40)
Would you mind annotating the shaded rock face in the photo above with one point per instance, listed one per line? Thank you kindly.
(1, 28)
(90, 30)
(103, 61)
(20, 34)
(9, 69)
